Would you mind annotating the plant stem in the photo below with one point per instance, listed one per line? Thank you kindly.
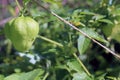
(18, 5)
(49, 40)
(79, 30)
(85, 69)
(46, 75)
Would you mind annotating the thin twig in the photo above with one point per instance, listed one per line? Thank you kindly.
(77, 29)
(82, 65)
(86, 35)
(46, 75)
(49, 40)
(18, 5)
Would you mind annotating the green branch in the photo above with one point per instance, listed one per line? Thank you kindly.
(18, 5)
(46, 75)
(49, 40)
(82, 65)
(79, 30)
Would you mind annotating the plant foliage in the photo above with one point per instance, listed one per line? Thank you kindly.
(62, 53)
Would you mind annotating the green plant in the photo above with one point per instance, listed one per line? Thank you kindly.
(76, 48)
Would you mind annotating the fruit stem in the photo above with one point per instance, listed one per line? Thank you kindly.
(49, 40)
(18, 5)
(82, 65)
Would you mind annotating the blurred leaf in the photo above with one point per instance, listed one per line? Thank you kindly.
(87, 13)
(50, 1)
(58, 2)
(76, 16)
(93, 34)
(116, 32)
(107, 30)
(114, 10)
(101, 77)
(112, 78)
(1, 77)
(104, 2)
(98, 17)
(74, 65)
(33, 75)
(106, 21)
(11, 10)
(25, 2)
(77, 23)
(81, 76)
(83, 44)
(13, 77)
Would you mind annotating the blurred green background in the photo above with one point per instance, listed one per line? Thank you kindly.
(51, 58)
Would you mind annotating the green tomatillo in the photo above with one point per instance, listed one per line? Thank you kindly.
(22, 31)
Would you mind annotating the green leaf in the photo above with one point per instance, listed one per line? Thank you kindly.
(101, 77)
(32, 75)
(115, 10)
(87, 13)
(50, 1)
(1, 77)
(53, 2)
(13, 77)
(112, 78)
(106, 21)
(83, 44)
(25, 2)
(74, 65)
(107, 29)
(98, 17)
(90, 32)
(81, 76)
(116, 32)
